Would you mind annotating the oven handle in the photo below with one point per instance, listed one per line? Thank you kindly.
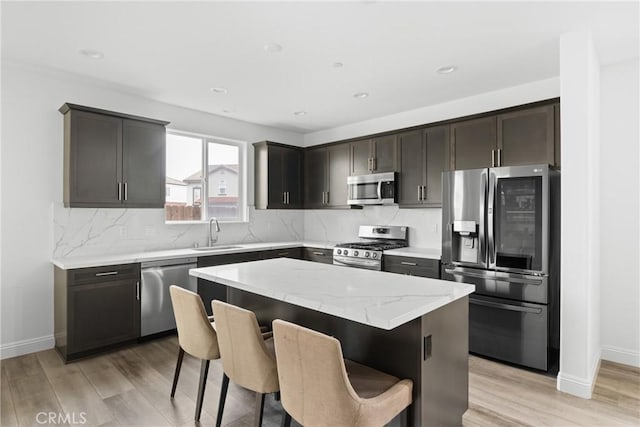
(379, 190)
(505, 306)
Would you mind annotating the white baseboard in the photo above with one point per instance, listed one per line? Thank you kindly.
(32, 345)
(621, 355)
(581, 387)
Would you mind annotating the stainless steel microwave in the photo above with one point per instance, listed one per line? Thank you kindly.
(372, 189)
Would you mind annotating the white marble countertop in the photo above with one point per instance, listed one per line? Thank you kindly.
(374, 298)
(415, 252)
(126, 258)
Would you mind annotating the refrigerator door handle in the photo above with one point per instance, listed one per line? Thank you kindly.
(491, 205)
(483, 231)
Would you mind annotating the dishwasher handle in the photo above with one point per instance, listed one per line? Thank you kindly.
(168, 262)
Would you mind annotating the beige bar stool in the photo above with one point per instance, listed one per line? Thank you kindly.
(196, 336)
(248, 359)
(319, 388)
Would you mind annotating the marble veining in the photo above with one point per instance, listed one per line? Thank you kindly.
(383, 300)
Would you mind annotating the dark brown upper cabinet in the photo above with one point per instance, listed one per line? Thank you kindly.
(526, 137)
(112, 159)
(473, 143)
(423, 158)
(374, 155)
(521, 137)
(278, 176)
(326, 170)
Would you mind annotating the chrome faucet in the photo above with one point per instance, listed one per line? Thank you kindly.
(211, 239)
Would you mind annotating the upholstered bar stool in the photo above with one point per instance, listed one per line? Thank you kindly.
(196, 336)
(319, 388)
(248, 359)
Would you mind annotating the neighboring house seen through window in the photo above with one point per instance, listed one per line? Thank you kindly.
(206, 177)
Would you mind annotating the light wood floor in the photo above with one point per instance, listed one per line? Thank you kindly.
(130, 387)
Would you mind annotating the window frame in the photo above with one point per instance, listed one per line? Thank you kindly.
(243, 166)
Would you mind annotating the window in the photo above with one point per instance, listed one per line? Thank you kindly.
(212, 171)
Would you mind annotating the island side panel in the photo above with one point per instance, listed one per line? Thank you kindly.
(397, 351)
(445, 372)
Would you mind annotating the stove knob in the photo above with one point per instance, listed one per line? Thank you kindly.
(367, 254)
(346, 252)
(339, 251)
(375, 255)
(355, 253)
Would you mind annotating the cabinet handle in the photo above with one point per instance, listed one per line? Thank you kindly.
(284, 197)
(424, 192)
(287, 197)
(499, 156)
(493, 158)
(119, 191)
(138, 291)
(108, 273)
(327, 202)
(324, 197)
(419, 192)
(126, 193)
(319, 253)
(413, 264)
(374, 163)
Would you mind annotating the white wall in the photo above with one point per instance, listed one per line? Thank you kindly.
(32, 161)
(620, 213)
(580, 290)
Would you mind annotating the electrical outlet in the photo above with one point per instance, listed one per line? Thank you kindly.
(434, 228)
(122, 230)
(149, 231)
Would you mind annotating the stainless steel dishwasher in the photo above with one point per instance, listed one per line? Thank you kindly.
(156, 311)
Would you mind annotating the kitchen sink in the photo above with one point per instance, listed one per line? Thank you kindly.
(215, 248)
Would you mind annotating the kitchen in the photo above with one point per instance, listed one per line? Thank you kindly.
(601, 322)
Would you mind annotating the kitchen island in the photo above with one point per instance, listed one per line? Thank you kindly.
(410, 327)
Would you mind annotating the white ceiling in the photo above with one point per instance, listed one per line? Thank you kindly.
(175, 52)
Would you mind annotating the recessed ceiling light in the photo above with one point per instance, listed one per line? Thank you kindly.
(299, 113)
(92, 53)
(272, 47)
(360, 95)
(219, 90)
(446, 69)
(338, 65)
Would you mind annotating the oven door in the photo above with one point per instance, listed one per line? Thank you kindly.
(368, 264)
(512, 331)
(374, 189)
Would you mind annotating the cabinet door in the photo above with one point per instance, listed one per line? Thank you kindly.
(93, 154)
(143, 164)
(102, 314)
(410, 176)
(292, 174)
(436, 145)
(315, 179)
(295, 253)
(275, 179)
(338, 158)
(360, 155)
(324, 256)
(385, 154)
(526, 137)
(472, 143)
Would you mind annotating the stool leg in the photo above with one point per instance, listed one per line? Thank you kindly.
(204, 370)
(259, 409)
(177, 374)
(277, 396)
(286, 419)
(404, 417)
(223, 397)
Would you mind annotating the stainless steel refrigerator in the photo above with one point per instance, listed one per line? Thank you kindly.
(501, 232)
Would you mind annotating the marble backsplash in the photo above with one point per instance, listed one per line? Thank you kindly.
(88, 232)
(342, 225)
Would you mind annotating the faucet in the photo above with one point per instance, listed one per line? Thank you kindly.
(211, 239)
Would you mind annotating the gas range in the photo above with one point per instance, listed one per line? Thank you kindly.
(368, 253)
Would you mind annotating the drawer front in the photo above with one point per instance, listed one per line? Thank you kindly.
(422, 267)
(512, 331)
(107, 273)
(294, 253)
(211, 260)
(324, 256)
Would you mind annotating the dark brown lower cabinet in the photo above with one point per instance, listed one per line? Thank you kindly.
(422, 267)
(96, 308)
(324, 256)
